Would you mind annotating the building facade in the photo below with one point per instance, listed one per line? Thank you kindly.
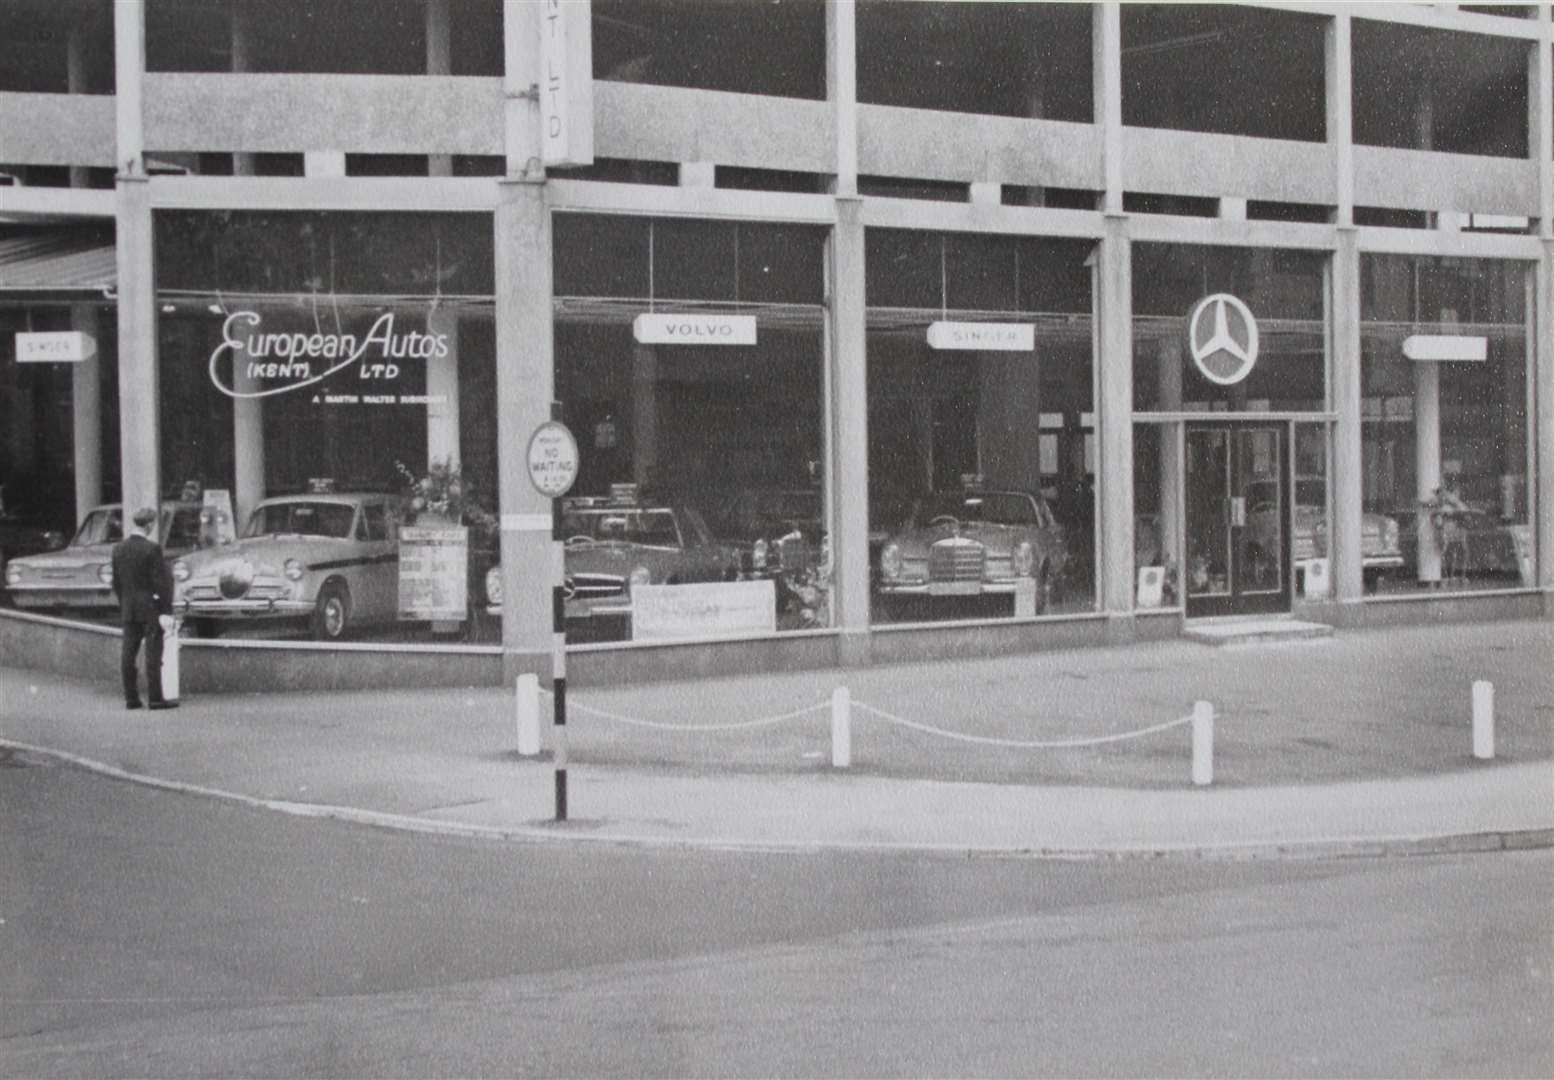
(884, 331)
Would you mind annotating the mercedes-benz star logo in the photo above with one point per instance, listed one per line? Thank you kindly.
(1224, 348)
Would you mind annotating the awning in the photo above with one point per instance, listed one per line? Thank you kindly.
(56, 263)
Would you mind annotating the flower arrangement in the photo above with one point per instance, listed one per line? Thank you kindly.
(442, 493)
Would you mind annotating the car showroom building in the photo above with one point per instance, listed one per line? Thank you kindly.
(1013, 325)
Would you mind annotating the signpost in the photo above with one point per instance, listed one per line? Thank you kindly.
(553, 470)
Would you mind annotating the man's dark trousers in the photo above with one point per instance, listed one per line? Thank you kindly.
(145, 591)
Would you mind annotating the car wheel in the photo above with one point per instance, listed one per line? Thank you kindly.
(332, 615)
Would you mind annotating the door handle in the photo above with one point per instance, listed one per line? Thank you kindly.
(1238, 511)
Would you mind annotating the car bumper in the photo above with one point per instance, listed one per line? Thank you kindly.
(46, 596)
(243, 609)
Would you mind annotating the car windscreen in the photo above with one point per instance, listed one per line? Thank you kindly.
(306, 518)
(998, 508)
(183, 530)
(102, 526)
(654, 528)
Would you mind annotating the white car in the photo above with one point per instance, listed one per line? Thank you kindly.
(331, 559)
(81, 574)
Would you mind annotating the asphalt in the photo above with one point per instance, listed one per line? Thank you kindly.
(1360, 744)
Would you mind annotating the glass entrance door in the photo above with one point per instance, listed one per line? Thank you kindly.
(1238, 542)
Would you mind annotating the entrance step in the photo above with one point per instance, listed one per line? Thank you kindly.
(1253, 631)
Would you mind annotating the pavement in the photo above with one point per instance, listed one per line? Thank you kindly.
(1359, 744)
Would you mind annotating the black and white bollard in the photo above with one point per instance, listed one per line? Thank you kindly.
(1483, 719)
(528, 714)
(841, 728)
(1202, 743)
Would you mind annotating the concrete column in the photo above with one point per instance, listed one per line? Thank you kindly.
(86, 410)
(1427, 461)
(439, 61)
(1114, 419)
(1348, 449)
(1106, 46)
(1541, 487)
(848, 412)
(75, 83)
(139, 396)
(842, 90)
(525, 385)
(1169, 374)
(644, 414)
(442, 381)
(241, 28)
(248, 462)
(1339, 69)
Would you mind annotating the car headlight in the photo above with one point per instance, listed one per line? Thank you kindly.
(890, 561)
(1024, 559)
(180, 570)
(494, 586)
(13, 575)
(641, 576)
(294, 569)
(758, 552)
(105, 573)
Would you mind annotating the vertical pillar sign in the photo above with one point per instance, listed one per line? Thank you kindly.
(566, 90)
(552, 470)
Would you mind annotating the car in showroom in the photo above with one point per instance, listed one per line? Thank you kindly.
(1472, 543)
(24, 532)
(1380, 550)
(974, 542)
(328, 560)
(617, 542)
(80, 576)
(778, 534)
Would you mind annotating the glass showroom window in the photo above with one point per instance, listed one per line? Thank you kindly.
(1445, 402)
(981, 442)
(314, 365)
(690, 364)
(1233, 342)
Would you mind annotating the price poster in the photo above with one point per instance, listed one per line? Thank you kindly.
(433, 572)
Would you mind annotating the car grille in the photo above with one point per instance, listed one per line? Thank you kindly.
(256, 591)
(955, 559)
(596, 586)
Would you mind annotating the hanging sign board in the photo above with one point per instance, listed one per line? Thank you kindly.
(982, 336)
(566, 89)
(552, 459)
(55, 347)
(1445, 347)
(694, 329)
(433, 572)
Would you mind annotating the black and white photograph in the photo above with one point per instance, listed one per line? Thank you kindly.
(776, 538)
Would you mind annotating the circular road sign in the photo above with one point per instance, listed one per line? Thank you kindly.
(1222, 336)
(552, 459)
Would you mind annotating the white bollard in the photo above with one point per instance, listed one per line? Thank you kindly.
(1202, 743)
(528, 705)
(1483, 719)
(170, 663)
(841, 727)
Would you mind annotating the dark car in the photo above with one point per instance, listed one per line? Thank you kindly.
(777, 533)
(1471, 541)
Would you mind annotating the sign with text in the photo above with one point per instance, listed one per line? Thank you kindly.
(714, 608)
(277, 361)
(1437, 347)
(216, 518)
(694, 329)
(55, 347)
(566, 89)
(433, 572)
(982, 336)
(1151, 588)
(552, 459)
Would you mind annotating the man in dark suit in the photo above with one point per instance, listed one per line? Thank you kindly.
(145, 590)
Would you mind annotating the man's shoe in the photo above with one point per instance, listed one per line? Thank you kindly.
(164, 704)
(132, 705)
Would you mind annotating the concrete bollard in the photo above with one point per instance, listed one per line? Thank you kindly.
(1202, 743)
(528, 706)
(171, 655)
(1483, 719)
(841, 728)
